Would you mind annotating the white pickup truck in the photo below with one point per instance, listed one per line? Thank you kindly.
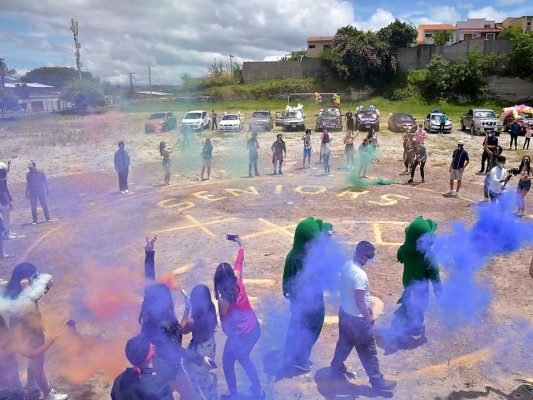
(479, 120)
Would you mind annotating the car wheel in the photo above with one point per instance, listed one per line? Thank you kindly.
(377, 128)
(472, 130)
(463, 127)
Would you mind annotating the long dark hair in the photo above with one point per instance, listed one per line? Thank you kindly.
(522, 163)
(21, 271)
(157, 312)
(226, 283)
(203, 312)
(325, 138)
(162, 146)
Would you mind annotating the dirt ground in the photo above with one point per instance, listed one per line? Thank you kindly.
(94, 249)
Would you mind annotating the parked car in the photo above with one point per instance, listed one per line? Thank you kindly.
(261, 121)
(366, 120)
(230, 123)
(432, 123)
(291, 120)
(479, 120)
(329, 118)
(196, 120)
(524, 120)
(160, 122)
(399, 122)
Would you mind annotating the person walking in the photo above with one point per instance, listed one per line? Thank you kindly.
(165, 151)
(207, 158)
(527, 138)
(122, 165)
(421, 157)
(308, 148)
(214, 124)
(239, 323)
(279, 150)
(6, 202)
(460, 161)
(37, 190)
(325, 149)
(515, 130)
(356, 321)
(349, 149)
(490, 142)
(253, 156)
(421, 135)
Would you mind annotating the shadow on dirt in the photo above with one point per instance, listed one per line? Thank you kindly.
(334, 388)
(272, 363)
(523, 392)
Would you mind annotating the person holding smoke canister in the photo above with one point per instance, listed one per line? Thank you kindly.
(356, 321)
(23, 291)
(497, 177)
(304, 289)
(491, 163)
(122, 165)
(37, 190)
(524, 184)
(140, 382)
(421, 157)
(239, 323)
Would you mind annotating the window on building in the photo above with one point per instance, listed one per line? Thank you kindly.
(486, 26)
(429, 35)
(327, 46)
(469, 36)
(311, 46)
(490, 36)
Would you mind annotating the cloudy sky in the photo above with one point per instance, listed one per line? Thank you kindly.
(179, 36)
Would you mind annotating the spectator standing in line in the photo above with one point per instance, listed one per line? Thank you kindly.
(214, 124)
(207, 158)
(497, 179)
(253, 156)
(122, 165)
(165, 151)
(490, 142)
(349, 149)
(421, 157)
(460, 161)
(140, 382)
(514, 132)
(356, 321)
(279, 150)
(239, 323)
(308, 148)
(529, 132)
(37, 190)
(6, 202)
(442, 120)
(421, 135)
(325, 149)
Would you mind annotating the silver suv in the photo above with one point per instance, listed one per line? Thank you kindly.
(261, 121)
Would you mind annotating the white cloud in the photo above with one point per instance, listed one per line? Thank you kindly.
(174, 36)
(377, 21)
(435, 15)
(489, 13)
(509, 2)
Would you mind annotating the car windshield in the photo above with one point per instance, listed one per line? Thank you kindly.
(295, 114)
(193, 115)
(484, 114)
(367, 113)
(436, 117)
(404, 117)
(330, 112)
(260, 114)
(158, 115)
(230, 117)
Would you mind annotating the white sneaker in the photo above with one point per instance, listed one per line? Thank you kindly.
(126, 191)
(454, 193)
(53, 395)
(449, 192)
(122, 191)
(519, 213)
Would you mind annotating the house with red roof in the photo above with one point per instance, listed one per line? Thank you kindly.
(477, 28)
(426, 33)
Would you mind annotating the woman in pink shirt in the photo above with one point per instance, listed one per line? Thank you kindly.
(239, 323)
(421, 135)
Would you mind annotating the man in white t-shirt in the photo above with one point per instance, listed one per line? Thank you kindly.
(497, 179)
(356, 322)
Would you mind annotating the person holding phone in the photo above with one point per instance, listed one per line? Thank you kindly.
(239, 323)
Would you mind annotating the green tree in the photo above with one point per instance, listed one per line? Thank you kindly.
(442, 37)
(5, 71)
(8, 101)
(83, 94)
(56, 76)
(520, 60)
(398, 34)
(436, 79)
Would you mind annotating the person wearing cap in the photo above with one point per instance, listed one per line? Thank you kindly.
(6, 200)
(278, 151)
(308, 148)
(140, 382)
(122, 165)
(253, 156)
(497, 179)
(37, 190)
(421, 157)
(459, 162)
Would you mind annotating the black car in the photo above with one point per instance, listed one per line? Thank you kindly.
(399, 122)
(160, 122)
(329, 118)
(366, 120)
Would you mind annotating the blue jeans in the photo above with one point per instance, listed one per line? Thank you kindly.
(325, 158)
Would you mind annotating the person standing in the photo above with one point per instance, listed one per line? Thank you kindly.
(308, 148)
(515, 130)
(207, 158)
(490, 143)
(421, 157)
(350, 123)
(459, 162)
(365, 158)
(443, 118)
(529, 132)
(491, 163)
(325, 149)
(421, 135)
(524, 185)
(37, 190)
(6, 202)
(349, 150)
(214, 124)
(253, 156)
(497, 179)
(165, 151)
(122, 165)
(278, 151)
(356, 321)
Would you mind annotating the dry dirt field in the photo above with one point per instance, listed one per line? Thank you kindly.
(94, 249)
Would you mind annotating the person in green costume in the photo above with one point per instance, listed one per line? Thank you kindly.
(419, 269)
(303, 287)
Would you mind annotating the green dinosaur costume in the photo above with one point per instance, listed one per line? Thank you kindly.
(304, 290)
(418, 271)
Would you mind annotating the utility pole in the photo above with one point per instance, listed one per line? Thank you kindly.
(131, 80)
(231, 67)
(150, 80)
(74, 29)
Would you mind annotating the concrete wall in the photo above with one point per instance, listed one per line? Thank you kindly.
(510, 89)
(418, 57)
(261, 70)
